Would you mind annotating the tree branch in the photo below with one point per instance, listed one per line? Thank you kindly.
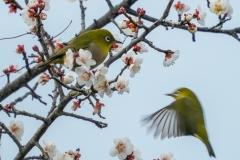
(97, 123)
(12, 136)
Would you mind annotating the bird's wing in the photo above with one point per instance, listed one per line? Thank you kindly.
(171, 121)
(77, 43)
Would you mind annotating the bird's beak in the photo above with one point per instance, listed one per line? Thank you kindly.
(169, 94)
(115, 41)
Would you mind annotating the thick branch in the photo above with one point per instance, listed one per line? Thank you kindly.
(42, 129)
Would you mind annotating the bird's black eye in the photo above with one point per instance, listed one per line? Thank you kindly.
(107, 38)
(177, 93)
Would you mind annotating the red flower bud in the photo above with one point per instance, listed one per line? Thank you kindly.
(20, 49)
(122, 10)
(141, 12)
(35, 48)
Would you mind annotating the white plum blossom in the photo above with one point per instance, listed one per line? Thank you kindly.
(140, 48)
(121, 85)
(123, 24)
(67, 78)
(200, 15)
(129, 32)
(85, 58)
(84, 76)
(117, 47)
(136, 66)
(221, 7)
(128, 57)
(16, 128)
(30, 21)
(167, 156)
(133, 62)
(122, 148)
(62, 156)
(50, 148)
(128, 27)
(44, 78)
(69, 59)
(180, 7)
(135, 155)
(100, 72)
(170, 58)
(102, 86)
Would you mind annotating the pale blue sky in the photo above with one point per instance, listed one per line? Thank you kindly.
(210, 67)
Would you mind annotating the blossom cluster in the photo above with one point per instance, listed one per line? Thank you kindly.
(51, 149)
(33, 9)
(219, 7)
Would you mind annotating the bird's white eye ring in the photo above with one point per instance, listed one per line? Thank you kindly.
(176, 93)
(107, 38)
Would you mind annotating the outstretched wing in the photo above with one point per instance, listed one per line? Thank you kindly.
(174, 120)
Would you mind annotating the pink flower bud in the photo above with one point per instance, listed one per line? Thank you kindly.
(35, 48)
(12, 8)
(20, 49)
(141, 12)
(43, 16)
(7, 106)
(5, 70)
(122, 10)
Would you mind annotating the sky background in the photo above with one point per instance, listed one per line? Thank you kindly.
(210, 67)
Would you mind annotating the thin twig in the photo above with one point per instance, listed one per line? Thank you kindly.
(152, 46)
(20, 99)
(97, 123)
(221, 22)
(11, 135)
(121, 31)
(63, 30)
(208, 3)
(34, 158)
(24, 113)
(15, 36)
(179, 17)
(54, 101)
(70, 87)
(35, 94)
(45, 155)
(82, 15)
(26, 62)
(122, 70)
(17, 4)
(136, 24)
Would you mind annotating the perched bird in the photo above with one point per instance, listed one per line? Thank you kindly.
(98, 42)
(183, 117)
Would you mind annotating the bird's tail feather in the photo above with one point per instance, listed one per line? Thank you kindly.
(210, 149)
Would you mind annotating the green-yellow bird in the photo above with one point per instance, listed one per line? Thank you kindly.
(183, 117)
(98, 42)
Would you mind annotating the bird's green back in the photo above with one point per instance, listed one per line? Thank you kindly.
(94, 41)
